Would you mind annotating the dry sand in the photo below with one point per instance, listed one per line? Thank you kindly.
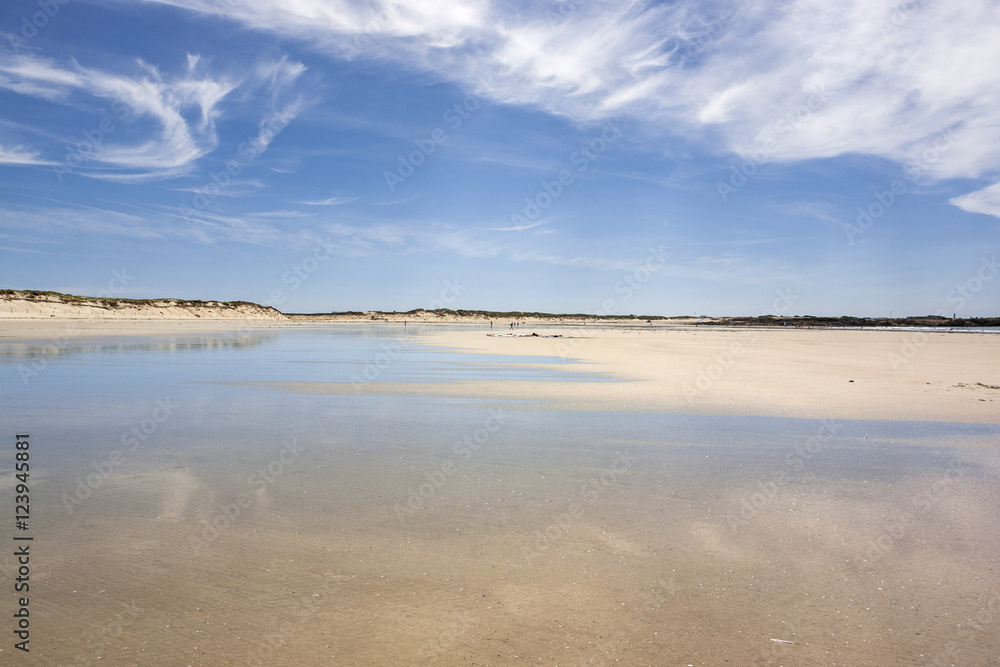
(843, 374)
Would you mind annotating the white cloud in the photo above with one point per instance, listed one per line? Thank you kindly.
(436, 239)
(136, 177)
(62, 222)
(985, 201)
(20, 155)
(177, 142)
(330, 201)
(279, 74)
(55, 224)
(280, 215)
(185, 110)
(519, 228)
(236, 188)
(272, 124)
(882, 78)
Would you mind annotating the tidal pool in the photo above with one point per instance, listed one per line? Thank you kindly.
(186, 512)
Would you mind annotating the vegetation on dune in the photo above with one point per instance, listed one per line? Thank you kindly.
(116, 302)
(760, 321)
(491, 314)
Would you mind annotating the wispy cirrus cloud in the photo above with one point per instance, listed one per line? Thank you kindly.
(145, 94)
(479, 244)
(20, 155)
(986, 201)
(281, 215)
(336, 200)
(519, 228)
(236, 188)
(59, 222)
(183, 110)
(818, 79)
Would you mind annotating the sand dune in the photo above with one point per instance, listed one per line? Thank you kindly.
(30, 305)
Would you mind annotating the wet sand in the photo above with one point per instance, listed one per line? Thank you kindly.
(66, 331)
(529, 553)
(848, 374)
(409, 526)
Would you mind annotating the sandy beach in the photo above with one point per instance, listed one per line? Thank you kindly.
(629, 499)
(845, 374)
(872, 375)
(800, 373)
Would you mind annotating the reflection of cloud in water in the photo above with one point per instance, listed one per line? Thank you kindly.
(17, 352)
(651, 571)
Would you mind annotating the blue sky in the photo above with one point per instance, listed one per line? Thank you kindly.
(622, 157)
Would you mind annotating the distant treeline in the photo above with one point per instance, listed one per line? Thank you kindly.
(848, 321)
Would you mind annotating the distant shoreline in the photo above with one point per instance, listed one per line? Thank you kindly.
(35, 305)
(898, 373)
